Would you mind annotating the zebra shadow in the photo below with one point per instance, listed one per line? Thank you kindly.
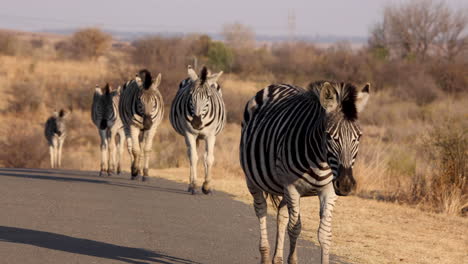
(86, 247)
(86, 177)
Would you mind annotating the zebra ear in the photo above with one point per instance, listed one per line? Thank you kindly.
(328, 97)
(156, 82)
(362, 98)
(191, 73)
(98, 90)
(213, 78)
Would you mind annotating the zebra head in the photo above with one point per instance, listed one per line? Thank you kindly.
(147, 100)
(105, 105)
(201, 90)
(342, 102)
(60, 119)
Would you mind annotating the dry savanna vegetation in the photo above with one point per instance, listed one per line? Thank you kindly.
(411, 202)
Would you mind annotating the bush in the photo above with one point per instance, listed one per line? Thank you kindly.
(23, 148)
(89, 43)
(8, 44)
(220, 57)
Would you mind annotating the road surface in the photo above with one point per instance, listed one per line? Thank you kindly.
(60, 216)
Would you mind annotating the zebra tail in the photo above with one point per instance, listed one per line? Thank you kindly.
(274, 199)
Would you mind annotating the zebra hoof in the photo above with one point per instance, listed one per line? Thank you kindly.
(278, 260)
(144, 178)
(102, 173)
(118, 171)
(133, 178)
(192, 190)
(110, 172)
(206, 191)
(145, 172)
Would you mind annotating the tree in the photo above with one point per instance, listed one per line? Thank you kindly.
(89, 43)
(420, 28)
(220, 57)
(239, 36)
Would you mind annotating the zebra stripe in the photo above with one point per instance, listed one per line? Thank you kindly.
(198, 112)
(299, 142)
(141, 109)
(105, 115)
(55, 132)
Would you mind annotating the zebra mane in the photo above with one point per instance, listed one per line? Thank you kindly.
(61, 113)
(347, 96)
(203, 75)
(107, 89)
(146, 77)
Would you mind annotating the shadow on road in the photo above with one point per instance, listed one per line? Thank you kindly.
(79, 176)
(86, 247)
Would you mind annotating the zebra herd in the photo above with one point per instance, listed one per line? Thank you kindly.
(295, 142)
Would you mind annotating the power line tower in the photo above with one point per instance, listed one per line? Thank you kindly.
(291, 25)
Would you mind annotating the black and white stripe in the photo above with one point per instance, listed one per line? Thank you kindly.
(300, 142)
(105, 115)
(55, 132)
(198, 112)
(141, 109)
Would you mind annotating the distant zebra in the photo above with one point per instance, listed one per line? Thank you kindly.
(299, 142)
(105, 115)
(198, 112)
(141, 109)
(55, 132)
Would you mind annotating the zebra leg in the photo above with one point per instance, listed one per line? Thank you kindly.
(327, 198)
(147, 148)
(191, 141)
(260, 206)
(59, 152)
(209, 159)
(120, 150)
(293, 199)
(282, 220)
(136, 168)
(111, 142)
(104, 148)
(52, 156)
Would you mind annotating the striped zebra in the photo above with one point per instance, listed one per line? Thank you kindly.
(198, 112)
(55, 132)
(141, 109)
(299, 142)
(105, 115)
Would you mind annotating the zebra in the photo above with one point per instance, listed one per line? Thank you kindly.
(105, 115)
(298, 142)
(141, 109)
(55, 132)
(198, 112)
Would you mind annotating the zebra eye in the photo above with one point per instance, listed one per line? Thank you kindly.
(329, 136)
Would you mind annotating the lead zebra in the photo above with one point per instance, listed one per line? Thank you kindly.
(198, 112)
(299, 142)
(105, 115)
(141, 109)
(55, 132)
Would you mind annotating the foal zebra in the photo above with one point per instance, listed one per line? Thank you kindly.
(198, 112)
(299, 142)
(141, 109)
(55, 132)
(105, 115)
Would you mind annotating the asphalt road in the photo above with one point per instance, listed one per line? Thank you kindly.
(60, 216)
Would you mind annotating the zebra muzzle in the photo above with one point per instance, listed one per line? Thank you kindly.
(196, 122)
(103, 124)
(345, 182)
(147, 122)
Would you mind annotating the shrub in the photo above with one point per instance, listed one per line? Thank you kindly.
(220, 57)
(89, 43)
(23, 148)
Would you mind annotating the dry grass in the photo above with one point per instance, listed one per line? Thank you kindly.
(367, 231)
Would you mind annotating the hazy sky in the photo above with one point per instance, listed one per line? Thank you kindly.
(332, 17)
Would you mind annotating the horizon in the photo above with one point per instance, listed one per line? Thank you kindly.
(298, 18)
